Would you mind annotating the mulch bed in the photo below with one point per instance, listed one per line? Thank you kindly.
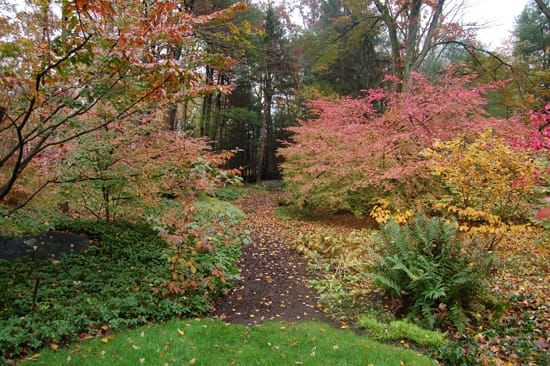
(50, 245)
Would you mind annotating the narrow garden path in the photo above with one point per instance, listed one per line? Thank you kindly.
(274, 278)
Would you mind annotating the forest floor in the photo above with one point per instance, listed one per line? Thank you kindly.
(274, 278)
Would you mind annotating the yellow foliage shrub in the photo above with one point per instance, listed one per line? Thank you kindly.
(488, 184)
(382, 213)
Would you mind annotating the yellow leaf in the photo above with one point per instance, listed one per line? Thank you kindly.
(105, 340)
(192, 361)
(54, 347)
(181, 332)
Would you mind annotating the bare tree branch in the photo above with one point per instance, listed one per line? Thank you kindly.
(544, 9)
(470, 47)
(429, 36)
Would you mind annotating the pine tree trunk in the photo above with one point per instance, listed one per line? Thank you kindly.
(171, 117)
(266, 120)
(261, 145)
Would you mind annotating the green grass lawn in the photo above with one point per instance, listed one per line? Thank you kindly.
(209, 342)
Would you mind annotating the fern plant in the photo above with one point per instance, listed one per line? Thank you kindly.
(437, 276)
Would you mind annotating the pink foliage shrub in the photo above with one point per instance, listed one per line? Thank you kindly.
(357, 150)
(539, 138)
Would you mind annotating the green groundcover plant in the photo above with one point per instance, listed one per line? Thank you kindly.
(119, 281)
(398, 330)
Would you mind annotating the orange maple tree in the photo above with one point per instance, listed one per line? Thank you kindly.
(98, 63)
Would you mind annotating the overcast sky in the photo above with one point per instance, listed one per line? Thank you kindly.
(499, 15)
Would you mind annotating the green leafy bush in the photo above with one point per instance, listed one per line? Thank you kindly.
(437, 276)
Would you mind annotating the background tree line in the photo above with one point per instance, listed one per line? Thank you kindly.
(341, 48)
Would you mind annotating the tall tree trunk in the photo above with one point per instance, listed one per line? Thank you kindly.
(171, 120)
(207, 105)
(203, 117)
(218, 114)
(269, 164)
(171, 114)
(185, 117)
(429, 38)
(414, 56)
(391, 24)
(266, 120)
(544, 9)
(261, 147)
(412, 33)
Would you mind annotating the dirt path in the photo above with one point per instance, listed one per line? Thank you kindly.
(274, 278)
